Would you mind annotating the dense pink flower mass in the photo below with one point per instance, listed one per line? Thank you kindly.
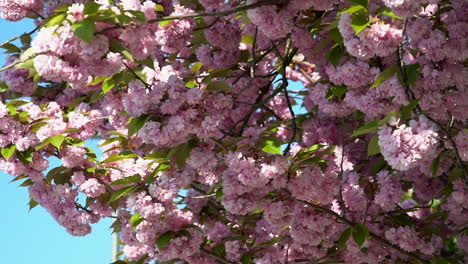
(247, 131)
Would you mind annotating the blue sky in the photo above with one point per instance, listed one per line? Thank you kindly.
(35, 237)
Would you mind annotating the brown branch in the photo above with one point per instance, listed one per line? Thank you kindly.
(20, 36)
(9, 66)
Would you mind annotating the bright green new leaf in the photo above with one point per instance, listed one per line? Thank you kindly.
(122, 192)
(247, 39)
(56, 140)
(196, 66)
(8, 151)
(120, 156)
(271, 145)
(107, 85)
(383, 76)
(55, 19)
(359, 22)
(84, 29)
(136, 219)
(354, 9)
(373, 147)
(387, 11)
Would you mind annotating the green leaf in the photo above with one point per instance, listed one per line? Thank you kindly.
(84, 30)
(369, 127)
(10, 48)
(219, 249)
(190, 84)
(8, 151)
(122, 192)
(246, 258)
(56, 140)
(344, 237)
(383, 76)
(127, 180)
(335, 54)
(181, 152)
(107, 85)
(136, 123)
(3, 87)
(196, 66)
(360, 233)
(32, 203)
(337, 90)
(62, 8)
(91, 8)
(335, 35)
(55, 19)
(387, 11)
(25, 40)
(247, 39)
(120, 156)
(164, 239)
(354, 9)
(25, 156)
(359, 22)
(412, 74)
(435, 166)
(406, 110)
(271, 145)
(364, 3)
(221, 86)
(373, 147)
(136, 219)
(117, 46)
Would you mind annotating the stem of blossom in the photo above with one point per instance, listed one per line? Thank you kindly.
(137, 76)
(351, 224)
(289, 56)
(207, 14)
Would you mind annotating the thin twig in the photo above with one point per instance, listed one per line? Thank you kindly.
(11, 65)
(218, 258)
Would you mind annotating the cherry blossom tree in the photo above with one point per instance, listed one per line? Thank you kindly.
(211, 156)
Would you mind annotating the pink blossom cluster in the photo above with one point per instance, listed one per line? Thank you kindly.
(406, 146)
(231, 133)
